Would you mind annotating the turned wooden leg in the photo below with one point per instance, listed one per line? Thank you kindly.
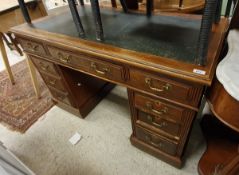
(33, 77)
(5, 59)
(76, 17)
(205, 31)
(24, 11)
(149, 7)
(97, 18)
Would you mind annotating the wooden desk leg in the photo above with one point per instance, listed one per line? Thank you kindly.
(5, 59)
(34, 77)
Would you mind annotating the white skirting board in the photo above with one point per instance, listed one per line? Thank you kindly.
(10, 164)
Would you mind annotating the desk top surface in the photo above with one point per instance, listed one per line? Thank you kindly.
(162, 41)
(171, 37)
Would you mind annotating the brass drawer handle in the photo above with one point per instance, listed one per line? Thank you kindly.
(102, 72)
(158, 144)
(159, 125)
(63, 58)
(166, 87)
(60, 97)
(52, 82)
(161, 112)
(43, 67)
(31, 47)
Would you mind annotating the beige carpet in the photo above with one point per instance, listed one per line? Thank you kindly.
(105, 148)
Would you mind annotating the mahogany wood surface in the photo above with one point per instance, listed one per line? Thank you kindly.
(223, 105)
(164, 88)
(222, 154)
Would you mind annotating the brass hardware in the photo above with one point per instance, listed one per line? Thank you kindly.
(52, 82)
(103, 71)
(149, 139)
(161, 112)
(160, 125)
(63, 58)
(166, 87)
(31, 47)
(43, 67)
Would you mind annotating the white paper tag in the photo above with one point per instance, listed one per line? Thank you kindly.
(198, 71)
(75, 138)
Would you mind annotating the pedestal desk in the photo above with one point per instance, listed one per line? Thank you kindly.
(153, 58)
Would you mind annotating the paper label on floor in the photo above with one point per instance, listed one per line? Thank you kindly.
(75, 138)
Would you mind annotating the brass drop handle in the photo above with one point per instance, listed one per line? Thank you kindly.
(53, 82)
(102, 72)
(166, 87)
(43, 67)
(63, 58)
(160, 125)
(161, 112)
(31, 47)
(150, 140)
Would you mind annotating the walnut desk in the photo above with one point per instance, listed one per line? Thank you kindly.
(153, 58)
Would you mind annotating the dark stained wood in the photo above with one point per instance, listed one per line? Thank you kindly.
(223, 105)
(150, 62)
(85, 69)
(173, 126)
(222, 154)
(160, 123)
(79, 91)
(163, 86)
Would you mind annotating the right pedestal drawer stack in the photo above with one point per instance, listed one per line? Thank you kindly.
(162, 114)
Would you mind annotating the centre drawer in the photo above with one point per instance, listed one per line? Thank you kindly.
(156, 140)
(87, 64)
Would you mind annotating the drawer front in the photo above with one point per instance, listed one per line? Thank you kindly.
(156, 141)
(157, 122)
(167, 88)
(60, 96)
(91, 65)
(32, 47)
(44, 66)
(159, 108)
(55, 82)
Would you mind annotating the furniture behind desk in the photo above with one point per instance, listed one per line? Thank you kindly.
(153, 59)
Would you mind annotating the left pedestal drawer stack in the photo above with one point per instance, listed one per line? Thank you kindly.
(71, 90)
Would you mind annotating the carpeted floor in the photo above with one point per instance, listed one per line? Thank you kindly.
(105, 148)
(19, 107)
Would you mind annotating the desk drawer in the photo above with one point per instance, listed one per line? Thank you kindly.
(159, 108)
(32, 47)
(87, 64)
(167, 88)
(44, 66)
(159, 123)
(60, 96)
(55, 82)
(156, 140)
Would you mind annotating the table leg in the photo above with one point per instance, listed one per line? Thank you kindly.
(5, 59)
(35, 83)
